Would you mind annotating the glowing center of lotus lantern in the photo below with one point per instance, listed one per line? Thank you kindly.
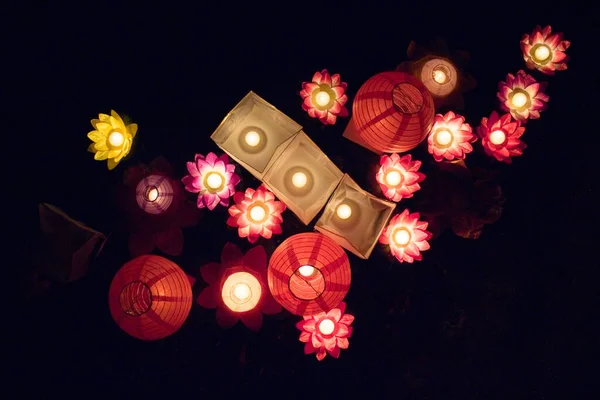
(257, 213)
(541, 53)
(299, 179)
(402, 237)
(252, 138)
(497, 137)
(326, 327)
(343, 211)
(519, 99)
(440, 74)
(393, 178)
(241, 292)
(214, 180)
(322, 98)
(116, 139)
(443, 137)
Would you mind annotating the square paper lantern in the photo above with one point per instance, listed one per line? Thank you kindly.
(354, 218)
(253, 132)
(303, 177)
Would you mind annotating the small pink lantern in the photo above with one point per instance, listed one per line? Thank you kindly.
(500, 137)
(406, 236)
(154, 194)
(398, 176)
(324, 97)
(544, 50)
(450, 137)
(522, 96)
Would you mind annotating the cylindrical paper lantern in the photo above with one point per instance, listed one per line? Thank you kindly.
(393, 112)
(154, 194)
(150, 297)
(439, 76)
(309, 273)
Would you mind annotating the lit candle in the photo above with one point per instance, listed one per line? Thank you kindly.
(299, 179)
(322, 98)
(257, 213)
(116, 139)
(443, 137)
(152, 193)
(393, 178)
(343, 211)
(242, 292)
(306, 270)
(252, 138)
(326, 326)
(497, 137)
(402, 237)
(440, 76)
(519, 99)
(214, 180)
(542, 53)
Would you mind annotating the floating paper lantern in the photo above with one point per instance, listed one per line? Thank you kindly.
(256, 213)
(303, 177)
(450, 137)
(309, 273)
(545, 51)
(150, 297)
(326, 333)
(500, 137)
(439, 76)
(522, 96)
(324, 97)
(393, 112)
(237, 287)
(406, 236)
(399, 177)
(354, 218)
(154, 209)
(254, 133)
(213, 178)
(112, 138)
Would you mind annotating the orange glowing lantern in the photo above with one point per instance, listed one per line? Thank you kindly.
(393, 112)
(237, 287)
(150, 297)
(309, 273)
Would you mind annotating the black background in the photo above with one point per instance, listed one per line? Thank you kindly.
(498, 317)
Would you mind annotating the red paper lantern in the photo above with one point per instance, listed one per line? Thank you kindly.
(393, 112)
(150, 297)
(309, 273)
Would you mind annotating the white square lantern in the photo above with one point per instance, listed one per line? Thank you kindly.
(354, 218)
(253, 132)
(303, 177)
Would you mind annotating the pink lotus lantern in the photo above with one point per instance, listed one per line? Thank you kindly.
(450, 137)
(545, 51)
(213, 178)
(398, 176)
(324, 97)
(237, 287)
(500, 137)
(326, 332)
(154, 209)
(256, 213)
(522, 96)
(407, 237)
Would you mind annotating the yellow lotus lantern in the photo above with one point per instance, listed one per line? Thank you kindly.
(112, 138)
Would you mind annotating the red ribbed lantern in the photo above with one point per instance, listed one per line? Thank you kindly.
(150, 297)
(309, 273)
(393, 112)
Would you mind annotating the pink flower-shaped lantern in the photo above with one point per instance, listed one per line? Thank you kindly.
(500, 137)
(407, 237)
(522, 96)
(545, 51)
(324, 97)
(398, 176)
(450, 137)
(213, 178)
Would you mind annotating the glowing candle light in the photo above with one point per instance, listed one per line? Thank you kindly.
(343, 211)
(116, 139)
(393, 178)
(299, 179)
(322, 98)
(326, 327)
(214, 180)
(497, 137)
(440, 76)
(519, 99)
(542, 53)
(402, 237)
(152, 194)
(252, 138)
(443, 137)
(257, 213)
(306, 270)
